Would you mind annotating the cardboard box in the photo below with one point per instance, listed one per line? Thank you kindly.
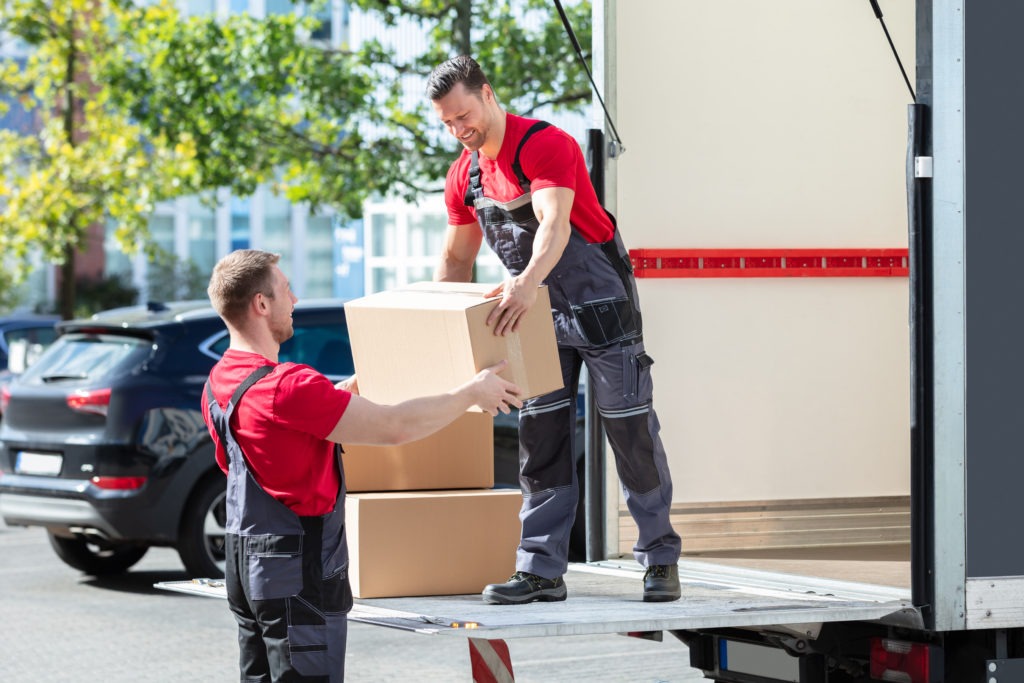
(431, 542)
(430, 337)
(460, 456)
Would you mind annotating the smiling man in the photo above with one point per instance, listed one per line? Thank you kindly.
(523, 185)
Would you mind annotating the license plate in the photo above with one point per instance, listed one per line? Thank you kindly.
(45, 464)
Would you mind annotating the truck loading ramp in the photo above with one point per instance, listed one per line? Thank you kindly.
(605, 597)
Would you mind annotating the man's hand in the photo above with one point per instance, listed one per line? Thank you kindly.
(517, 295)
(350, 385)
(492, 393)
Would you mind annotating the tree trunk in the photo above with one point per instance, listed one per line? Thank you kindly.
(67, 270)
(67, 284)
(461, 27)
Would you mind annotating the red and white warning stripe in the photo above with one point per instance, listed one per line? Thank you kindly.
(491, 661)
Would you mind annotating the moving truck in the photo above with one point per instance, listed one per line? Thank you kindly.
(828, 259)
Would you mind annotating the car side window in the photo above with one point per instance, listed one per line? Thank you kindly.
(26, 344)
(323, 346)
(221, 345)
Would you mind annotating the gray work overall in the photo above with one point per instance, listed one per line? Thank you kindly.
(597, 322)
(286, 575)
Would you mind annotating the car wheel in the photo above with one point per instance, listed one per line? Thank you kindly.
(96, 559)
(201, 542)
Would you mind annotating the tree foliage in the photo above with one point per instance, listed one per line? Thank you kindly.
(520, 44)
(264, 103)
(135, 105)
(83, 160)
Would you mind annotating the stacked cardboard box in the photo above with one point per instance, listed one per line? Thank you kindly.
(422, 518)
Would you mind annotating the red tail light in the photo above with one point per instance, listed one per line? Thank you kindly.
(899, 661)
(5, 399)
(119, 483)
(95, 401)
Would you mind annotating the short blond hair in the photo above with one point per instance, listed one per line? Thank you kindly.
(237, 278)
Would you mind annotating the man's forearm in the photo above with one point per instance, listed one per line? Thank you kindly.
(451, 270)
(420, 417)
(548, 245)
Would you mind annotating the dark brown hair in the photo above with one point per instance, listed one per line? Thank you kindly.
(462, 69)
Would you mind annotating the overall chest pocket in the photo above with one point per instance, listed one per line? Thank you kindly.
(275, 566)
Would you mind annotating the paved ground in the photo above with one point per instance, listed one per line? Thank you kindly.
(58, 625)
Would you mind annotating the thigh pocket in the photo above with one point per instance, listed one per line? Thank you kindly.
(606, 321)
(634, 369)
(275, 566)
(307, 649)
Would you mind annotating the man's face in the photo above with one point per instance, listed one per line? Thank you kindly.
(281, 307)
(466, 115)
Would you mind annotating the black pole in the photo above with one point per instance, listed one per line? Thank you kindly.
(594, 453)
(892, 46)
(922, 366)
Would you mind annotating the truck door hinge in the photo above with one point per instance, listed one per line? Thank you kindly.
(922, 167)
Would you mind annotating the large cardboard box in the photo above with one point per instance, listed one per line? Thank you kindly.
(460, 456)
(430, 337)
(431, 542)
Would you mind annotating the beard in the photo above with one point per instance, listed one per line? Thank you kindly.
(282, 333)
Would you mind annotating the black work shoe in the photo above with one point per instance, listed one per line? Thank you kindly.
(525, 587)
(661, 583)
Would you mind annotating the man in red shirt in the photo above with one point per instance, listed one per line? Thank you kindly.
(286, 551)
(523, 185)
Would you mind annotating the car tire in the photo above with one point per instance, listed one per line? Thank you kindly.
(95, 559)
(201, 539)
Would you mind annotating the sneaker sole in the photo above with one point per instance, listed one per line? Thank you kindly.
(546, 595)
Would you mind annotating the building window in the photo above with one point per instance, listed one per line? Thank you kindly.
(319, 256)
(202, 234)
(406, 242)
(277, 226)
(241, 232)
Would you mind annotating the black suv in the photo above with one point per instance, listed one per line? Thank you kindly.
(103, 442)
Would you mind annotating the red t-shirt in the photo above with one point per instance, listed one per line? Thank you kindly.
(551, 158)
(281, 424)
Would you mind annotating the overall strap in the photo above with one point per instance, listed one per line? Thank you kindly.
(475, 189)
(524, 182)
(255, 376)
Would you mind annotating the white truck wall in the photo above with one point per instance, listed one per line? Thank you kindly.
(752, 124)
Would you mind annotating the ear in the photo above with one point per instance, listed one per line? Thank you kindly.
(259, 304)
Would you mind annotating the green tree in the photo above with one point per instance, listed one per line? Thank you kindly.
(264, 103)
(139, 104)
(521, 45)
(84, 160)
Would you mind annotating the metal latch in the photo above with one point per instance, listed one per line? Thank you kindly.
(922, 167)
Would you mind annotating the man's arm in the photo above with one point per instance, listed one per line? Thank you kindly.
(461, 245)
(366, 422)
(552, 206)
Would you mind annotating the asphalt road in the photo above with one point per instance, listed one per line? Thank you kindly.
(59, 625)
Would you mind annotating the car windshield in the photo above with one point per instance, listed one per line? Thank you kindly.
(82, 357)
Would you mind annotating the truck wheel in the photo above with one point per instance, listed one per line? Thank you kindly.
(95, 559)
(201, 541)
